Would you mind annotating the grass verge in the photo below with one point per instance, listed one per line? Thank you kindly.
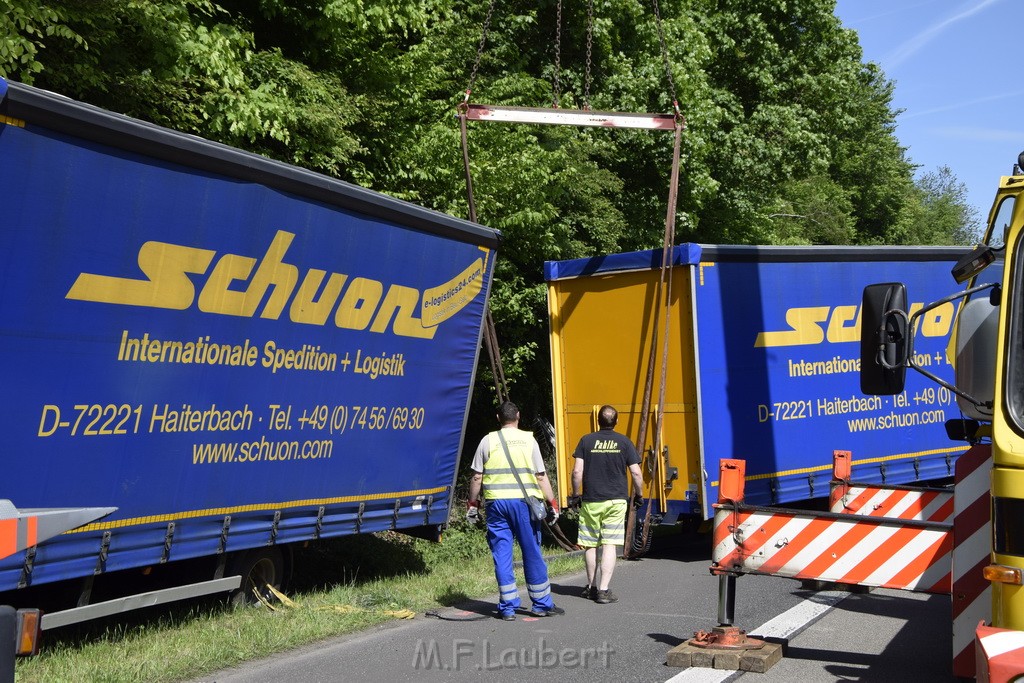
(342, 586)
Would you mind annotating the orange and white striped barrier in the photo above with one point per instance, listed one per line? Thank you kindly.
(876, 500)
(972, 542)
(999, 654)
(850, 549)
(899, 502)
(20, 530)
(861, 550)
(893, 537)
(16, 532)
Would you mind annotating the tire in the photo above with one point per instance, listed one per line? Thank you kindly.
(258, 568)
(637, 548)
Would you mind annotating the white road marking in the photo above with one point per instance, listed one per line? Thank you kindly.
(786, 625)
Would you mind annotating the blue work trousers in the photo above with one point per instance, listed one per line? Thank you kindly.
(508, 519)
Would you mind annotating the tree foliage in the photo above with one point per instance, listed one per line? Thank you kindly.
(26, 28)
(789, 139)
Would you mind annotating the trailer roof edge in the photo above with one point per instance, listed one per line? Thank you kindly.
(690, 253)
(64, 115)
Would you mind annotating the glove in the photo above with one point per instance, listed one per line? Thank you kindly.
(574, 502)
(472, 511)
(553, 512)
(638, 500)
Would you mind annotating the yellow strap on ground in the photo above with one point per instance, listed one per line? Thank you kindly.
(285, 600)
(341, 609)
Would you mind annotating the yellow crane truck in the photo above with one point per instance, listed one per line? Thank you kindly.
(987, 349)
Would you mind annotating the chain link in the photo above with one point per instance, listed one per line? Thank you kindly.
(480, 49)
(558, 55)
(664, 56)
(590, 41)
(588, 77)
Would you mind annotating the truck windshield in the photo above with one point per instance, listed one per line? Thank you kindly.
(996, 237)
(1014, 389)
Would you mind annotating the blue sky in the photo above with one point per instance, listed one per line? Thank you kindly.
(958, 73)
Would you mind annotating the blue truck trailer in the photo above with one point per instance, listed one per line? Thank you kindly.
(763, 363)
(233, 353)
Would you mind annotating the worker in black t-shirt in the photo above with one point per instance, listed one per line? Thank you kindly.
(602, 460)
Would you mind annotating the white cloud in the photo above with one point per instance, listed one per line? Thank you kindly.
(960, 105)
(916, 43)
(898, 10)
(977, 134)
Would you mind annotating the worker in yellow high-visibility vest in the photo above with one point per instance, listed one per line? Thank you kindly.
(508, 513)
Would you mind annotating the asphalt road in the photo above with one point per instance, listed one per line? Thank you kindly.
(663, 599)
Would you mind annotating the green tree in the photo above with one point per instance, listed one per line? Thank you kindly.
(189, 65)
(942, 214)
(26, 28)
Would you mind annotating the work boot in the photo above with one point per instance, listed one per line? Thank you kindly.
(553, 612)
(604, 597)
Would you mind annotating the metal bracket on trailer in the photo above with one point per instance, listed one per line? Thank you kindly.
(23, 529)
(394, 515)
(319, 521)
(27, 566)
(101, 558)
(168, 541)
(359, 515)
(224, 528)
(273, 528)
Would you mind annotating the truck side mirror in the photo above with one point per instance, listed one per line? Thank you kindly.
(973, 263)
(883, 339)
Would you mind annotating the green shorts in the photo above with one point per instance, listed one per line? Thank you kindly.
(602, 523)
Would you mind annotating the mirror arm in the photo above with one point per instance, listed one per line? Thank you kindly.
(910, 342)
(883, 340)
(987, 405)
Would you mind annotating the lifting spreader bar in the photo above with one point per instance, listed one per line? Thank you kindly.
(569, 117)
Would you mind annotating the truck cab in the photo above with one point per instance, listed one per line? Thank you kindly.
(1004, 237)
(987, 350)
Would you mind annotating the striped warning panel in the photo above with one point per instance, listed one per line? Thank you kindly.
(851, 549)
(17, 534)
(1000, 654)
(972, 543)
(20, 530)
(901, 502)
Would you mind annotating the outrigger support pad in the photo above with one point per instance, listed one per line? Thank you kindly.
(725, 638)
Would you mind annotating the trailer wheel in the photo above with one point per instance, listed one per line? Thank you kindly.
(258, 569)
(637, 546)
